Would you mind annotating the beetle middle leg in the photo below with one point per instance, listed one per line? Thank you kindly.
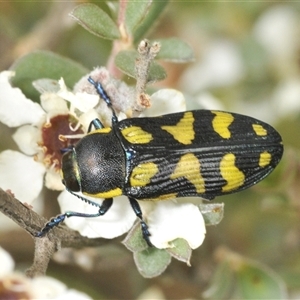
(137, 210)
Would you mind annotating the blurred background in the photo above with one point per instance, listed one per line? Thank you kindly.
(247, 60)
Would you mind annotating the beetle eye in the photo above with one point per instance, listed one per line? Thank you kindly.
(70, 172)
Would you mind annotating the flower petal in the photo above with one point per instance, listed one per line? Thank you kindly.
(53, 180)
(169, 221)
(54, 104)
(15, 108)
(47, 288)
(82, 101)
(21, 174)
(27, 138)
(118, 220)
(165, 101)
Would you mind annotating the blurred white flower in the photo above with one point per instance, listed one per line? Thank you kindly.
(277, 29)
(220, 65)
(286, 98)
(165, 101)
(15, 285)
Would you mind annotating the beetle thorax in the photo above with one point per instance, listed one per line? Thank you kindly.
(101, 164)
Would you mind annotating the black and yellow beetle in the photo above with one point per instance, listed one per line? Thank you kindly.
(200, 153)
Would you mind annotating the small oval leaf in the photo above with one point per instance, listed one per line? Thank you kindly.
(155, 10)
(125, 61)
(256, 281)
(134, 240)
(95, 20)
(152, 262)
(135, 13)
(175, 50)
(221, 284)
(181, 251)
(212, 213)
(44, 64)
(156, 72)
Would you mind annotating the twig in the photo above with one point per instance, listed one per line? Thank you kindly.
(60, 237)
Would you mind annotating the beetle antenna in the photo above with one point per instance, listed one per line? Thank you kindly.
(102, 93)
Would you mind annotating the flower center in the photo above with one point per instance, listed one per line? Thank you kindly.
(54, 140)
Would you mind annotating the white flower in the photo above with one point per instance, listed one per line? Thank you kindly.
(16, 286)
(171, 220)
(38, 137)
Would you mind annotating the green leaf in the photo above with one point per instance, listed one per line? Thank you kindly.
(212, 213)
(156, 72)
(181, 250)
(256, 281)
(238, 277)
(125, 61)
(44, 64)
(134, 240)
(152, 262)
(175, 50)
(135, 13)
(221, 284)
(156, 8)
(96, 21)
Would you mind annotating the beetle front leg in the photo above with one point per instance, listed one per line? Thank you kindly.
(137, 210)
(103, 208)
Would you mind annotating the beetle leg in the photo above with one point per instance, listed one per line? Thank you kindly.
(96, 123)
(137, 209)
(103, 208)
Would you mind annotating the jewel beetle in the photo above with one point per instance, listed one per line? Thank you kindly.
(202, 153)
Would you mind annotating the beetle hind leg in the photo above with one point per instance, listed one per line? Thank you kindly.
(137, 210)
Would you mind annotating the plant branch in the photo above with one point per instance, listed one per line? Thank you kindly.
(60, 237)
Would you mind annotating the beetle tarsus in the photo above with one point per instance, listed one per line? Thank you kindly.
(146, 233)
(50, 224)
(137, 210)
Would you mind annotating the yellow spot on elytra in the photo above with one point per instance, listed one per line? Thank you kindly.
(189, 168)
(101, 130)
(264, 159)
(221, 122)
(234, 177)
(109, 194)
(141, 175)
(136, 135)
(259, 130)
(183, 131)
